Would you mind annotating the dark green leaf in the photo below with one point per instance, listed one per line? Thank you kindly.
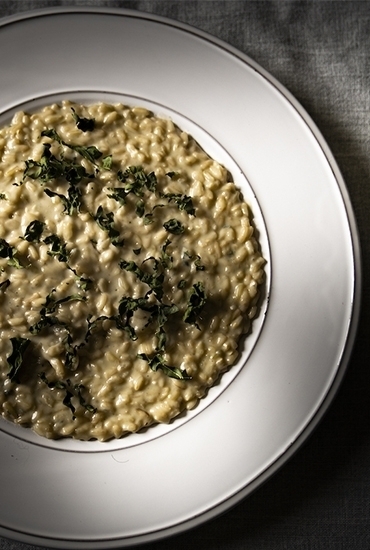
(157, 362)
(183, 202)
(49, 167)
(34, 231)
(105, 221)
(172, 175)
(166, 258)
(83, 282)
(137, 180)
(6, 251)
(90, 153)
(58, 248)
(153, 280)
(196, 302)
(4, 285)
(45, 321)
(83, 124)
(174, 226)
(197, 261)
(52, 134)
(119, 194)
(10, 252)
(51, 304)
(15, 359)
(57, 384)
(79, 389)
(72, 203)
(140, 208)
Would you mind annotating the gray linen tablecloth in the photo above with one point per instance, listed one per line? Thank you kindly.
(321, 52)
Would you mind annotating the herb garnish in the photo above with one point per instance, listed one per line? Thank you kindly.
(196, 302)
(58, 248)
(172, 175)
(46, 169)
(162, 314)
(15, 359)
(153, 280)
(10, 252)
(174, 226)
(158, 362)
(83, 124)
(90, 153)
(4, 285)
(83, 282)
(133, 181)
(136, 180)
(197, 260)
(107, 162)
(183, 202)
(126, 310)
(119, 194)
(105, 221)
(50, 168)
(166, 258)
(72, 202)
(71, 391)
(49, 307)
(34, 231)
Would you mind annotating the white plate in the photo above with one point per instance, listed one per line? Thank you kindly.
(170, 478)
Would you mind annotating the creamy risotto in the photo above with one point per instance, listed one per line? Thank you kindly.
(128, 270)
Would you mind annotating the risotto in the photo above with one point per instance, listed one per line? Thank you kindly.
(128, 270)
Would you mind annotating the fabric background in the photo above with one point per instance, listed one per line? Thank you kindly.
(320, 50)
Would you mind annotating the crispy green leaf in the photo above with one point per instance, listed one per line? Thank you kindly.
(45, 321)
(46, 169)
(57, 384)
(183, 202)
(15, 359)
(174, 226)
(58, 248)
(79, 388)
(72, 202)
(83, 124)
(197, 261)
(71, 391)
(34, 231)
(153, 280)
(119, 194)
(4, 285)
(105, 221)
(6, 251)
(172, 175)
(157, 362)
(196, 302)
(10, 252)
(166, 258)
(90, 152)
(140, 208)
(83, 282)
